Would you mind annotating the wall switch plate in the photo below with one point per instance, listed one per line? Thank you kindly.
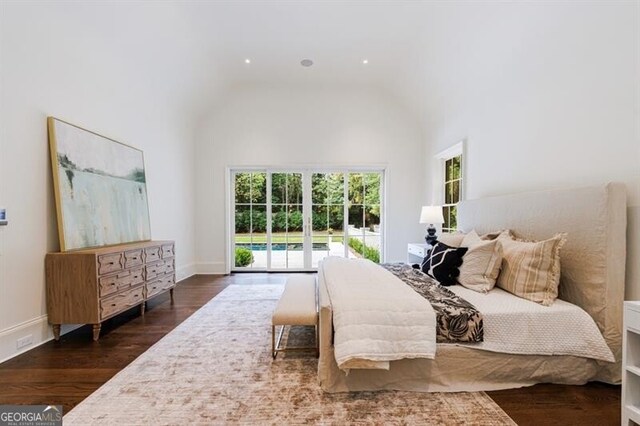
(24, 341)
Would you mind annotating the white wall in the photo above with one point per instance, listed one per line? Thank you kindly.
(53, 64)
(262, 126)
(546, 95)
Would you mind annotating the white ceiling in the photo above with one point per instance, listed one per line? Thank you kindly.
(196, 49)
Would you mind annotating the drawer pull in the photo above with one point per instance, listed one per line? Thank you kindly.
(113, 304)
(110, 263)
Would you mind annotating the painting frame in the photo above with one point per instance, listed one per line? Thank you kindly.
(68, 237)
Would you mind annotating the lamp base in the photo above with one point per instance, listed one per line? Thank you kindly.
(431, 237)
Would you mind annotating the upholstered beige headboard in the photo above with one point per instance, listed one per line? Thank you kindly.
(593, 258)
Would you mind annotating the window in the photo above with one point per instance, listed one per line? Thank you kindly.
(451, 184)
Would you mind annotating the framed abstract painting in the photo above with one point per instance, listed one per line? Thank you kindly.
(100, 188)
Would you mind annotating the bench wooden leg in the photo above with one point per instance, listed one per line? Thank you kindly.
(317, 342)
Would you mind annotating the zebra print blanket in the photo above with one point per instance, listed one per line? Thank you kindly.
(457, 320)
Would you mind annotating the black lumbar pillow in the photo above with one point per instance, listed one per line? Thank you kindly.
(443, 263)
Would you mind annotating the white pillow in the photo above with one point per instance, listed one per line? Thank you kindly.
(481, 264)
(453, 239)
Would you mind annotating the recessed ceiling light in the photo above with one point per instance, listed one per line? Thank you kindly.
(306, 62)
(365, 61)
(247, 61)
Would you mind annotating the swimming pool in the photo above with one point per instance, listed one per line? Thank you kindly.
(282, 246)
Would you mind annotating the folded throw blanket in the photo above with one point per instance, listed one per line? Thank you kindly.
(376, 317)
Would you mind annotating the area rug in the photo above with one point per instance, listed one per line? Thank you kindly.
(216, 368)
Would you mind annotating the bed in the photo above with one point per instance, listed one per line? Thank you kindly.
(592, 278)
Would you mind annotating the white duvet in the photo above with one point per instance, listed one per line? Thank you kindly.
(377, 318)
(518, 326)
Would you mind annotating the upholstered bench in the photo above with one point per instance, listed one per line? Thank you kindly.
(297, 306)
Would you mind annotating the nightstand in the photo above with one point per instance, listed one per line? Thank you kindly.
(631, 364)
(416, 252)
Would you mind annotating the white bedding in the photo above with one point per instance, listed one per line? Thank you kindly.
(377, 318)
(517, 326)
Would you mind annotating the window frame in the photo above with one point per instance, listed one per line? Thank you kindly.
(457, 150)
(229, 183)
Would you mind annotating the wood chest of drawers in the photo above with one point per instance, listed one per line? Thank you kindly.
(90, 286)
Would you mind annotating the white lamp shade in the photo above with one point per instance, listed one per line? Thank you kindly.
(431, 214)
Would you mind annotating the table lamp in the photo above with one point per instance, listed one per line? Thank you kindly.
(431, 215)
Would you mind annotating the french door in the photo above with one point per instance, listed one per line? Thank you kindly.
(289, 220)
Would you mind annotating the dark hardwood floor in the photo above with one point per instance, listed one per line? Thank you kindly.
(68, 371)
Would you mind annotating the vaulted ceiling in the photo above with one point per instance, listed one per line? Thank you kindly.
(195, 50)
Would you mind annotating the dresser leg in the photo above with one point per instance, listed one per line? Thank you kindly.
(56, 331)
(96, 332)
(171, 294)
(142, 307)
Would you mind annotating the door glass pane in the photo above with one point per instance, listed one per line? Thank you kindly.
(356, 219)
(320, 250)
(327, 216)
(318, 188)
(372, 238)
(295, 252)
(356, 188)
(259, 223)
(259, 188)
(242, 187)
(336, 222)
(243, 256)
(295, 237)
(243, 223)
(294, 188)
(278, 188)
(319, 219)
(278, 236)
(355, 231)
(372, 219)
(372, 188)
(294, 220)
(250, 219)
(335, 188)
(278, 220)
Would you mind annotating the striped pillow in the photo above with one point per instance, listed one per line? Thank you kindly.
(531, 269)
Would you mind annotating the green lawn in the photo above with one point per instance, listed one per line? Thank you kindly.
(278, 238)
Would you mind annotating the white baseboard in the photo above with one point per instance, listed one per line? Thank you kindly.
(39, 330)
(185, 271)
(211, 268)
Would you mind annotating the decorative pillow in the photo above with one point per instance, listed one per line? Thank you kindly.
(493, 235)
(442, 263)
(481, 264)
(453, 239)
(531, 269)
